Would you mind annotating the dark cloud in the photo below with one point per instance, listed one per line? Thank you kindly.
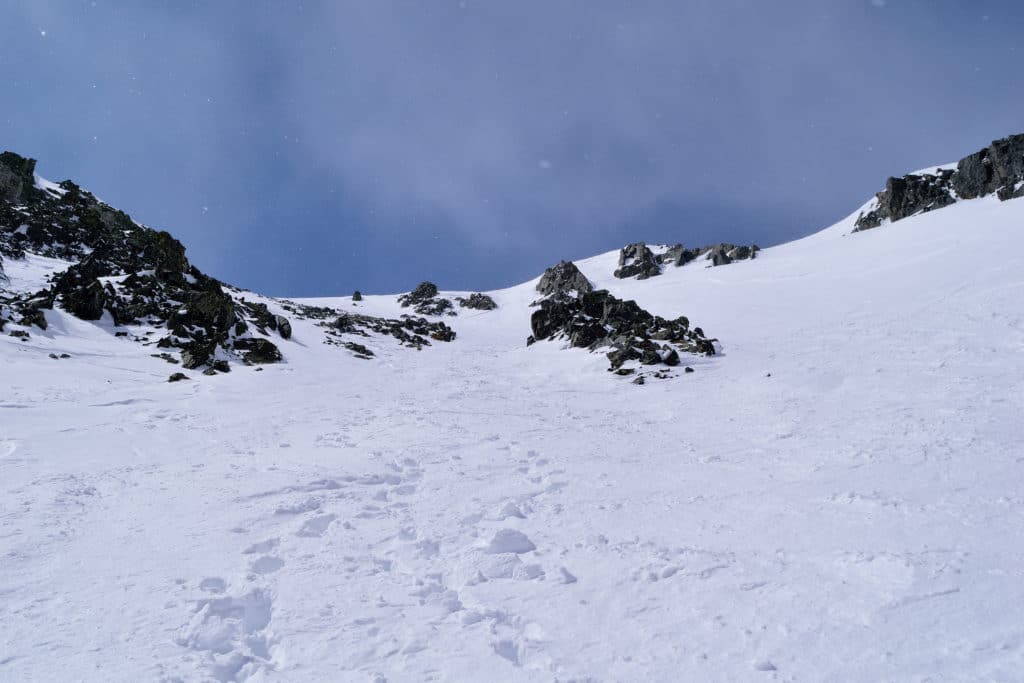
(314, 148)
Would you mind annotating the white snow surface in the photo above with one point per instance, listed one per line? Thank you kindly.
(839, 496)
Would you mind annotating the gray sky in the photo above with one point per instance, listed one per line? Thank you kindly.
(314, 148)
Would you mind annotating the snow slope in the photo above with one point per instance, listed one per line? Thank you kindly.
(836, 497)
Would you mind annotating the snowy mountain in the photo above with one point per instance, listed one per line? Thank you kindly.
(403, 488)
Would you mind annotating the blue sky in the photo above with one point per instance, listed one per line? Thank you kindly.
(316, 148)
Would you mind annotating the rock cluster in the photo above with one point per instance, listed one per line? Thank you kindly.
(411, 331)
(596, 319)
(998, 169)
(141, 277)
(640, 261)
(133, 273)
(425, 301)
(636, 260)
(477, 301)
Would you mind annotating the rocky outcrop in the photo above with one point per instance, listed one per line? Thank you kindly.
(258, 350)
(425, 301)
(639, 261)
(477, 301)
(636, 260)
(597, 320)
(141, 277)
(724, 253)
(17, 178)
(998, 169)
(909, 195)
(564, 277)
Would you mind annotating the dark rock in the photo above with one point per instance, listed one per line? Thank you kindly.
(197, 353)
(688, 369)
(257, 350)
(719, 256)
(906, 196)
(17, 177)
(357, 295)
(677, 255)
(423, 291)
(221, 366)
(424, 300)
(999, 169)
(636, 260)
(177, 377)
(209, 372)
(359, 350)
(564, 277)
(19, 334)
(639, 380)
(33, 316)
(284, 327)
(478, 301)
(597, 319)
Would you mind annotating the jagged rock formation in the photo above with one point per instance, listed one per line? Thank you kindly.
(640, 261)
(998, 169)
(425, 301)
(138, 275)
(596, 319)
(564, 277)
(141, 278)
(636, 260)
(477, 301)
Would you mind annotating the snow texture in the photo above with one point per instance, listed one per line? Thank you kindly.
(838, 496)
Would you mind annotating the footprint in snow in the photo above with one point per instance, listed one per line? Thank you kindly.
(213, 584)
(262, 547)
(267, 564)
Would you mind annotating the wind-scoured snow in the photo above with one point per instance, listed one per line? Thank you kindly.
(838, 496)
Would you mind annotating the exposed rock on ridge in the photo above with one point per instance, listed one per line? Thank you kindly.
(640, 261)
(998, 169)
(141, 277)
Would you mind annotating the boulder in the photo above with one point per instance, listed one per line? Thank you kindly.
(564, 277)
(177, 377)
(257, 350)
(17, 177)
(636, 260)
(357, 295)
(284, 326)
